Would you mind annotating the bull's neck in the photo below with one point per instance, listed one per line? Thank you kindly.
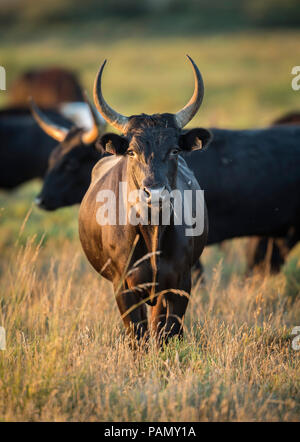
(151, 234)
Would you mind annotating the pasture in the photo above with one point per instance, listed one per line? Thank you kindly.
(67, 358)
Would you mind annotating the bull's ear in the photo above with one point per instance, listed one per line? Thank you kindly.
(114, 144)
(195, 139)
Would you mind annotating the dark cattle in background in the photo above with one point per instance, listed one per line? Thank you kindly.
(48, 87)
(146, 157)
(24, 148)
(252, 181)
(269, 254)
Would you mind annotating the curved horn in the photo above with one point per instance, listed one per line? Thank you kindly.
(98, 124)
(112, 117)
(55, 131)
(190, 109)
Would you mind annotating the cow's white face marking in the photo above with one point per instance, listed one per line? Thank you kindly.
(79, 113)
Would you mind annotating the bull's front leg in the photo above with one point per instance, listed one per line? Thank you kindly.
(158, 317)
(168, 314)
(176, 308)
(134, 314)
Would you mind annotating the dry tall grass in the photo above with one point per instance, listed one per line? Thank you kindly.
(67, 357)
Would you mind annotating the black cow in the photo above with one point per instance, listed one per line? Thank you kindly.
(24, 148)
(146, 261)
(268, 254)
(252, 180)
(63, 166)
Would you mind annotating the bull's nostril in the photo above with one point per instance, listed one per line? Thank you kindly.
(148, 193)
(155, 195)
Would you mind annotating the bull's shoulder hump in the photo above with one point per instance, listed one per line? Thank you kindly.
(104, 166)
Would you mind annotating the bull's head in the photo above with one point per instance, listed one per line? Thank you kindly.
(152, 142)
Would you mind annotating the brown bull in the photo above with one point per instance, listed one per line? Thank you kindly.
(48, 87)
(145, 261)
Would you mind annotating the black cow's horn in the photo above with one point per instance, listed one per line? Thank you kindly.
(55, 131)
(91, 135)
(112, 117)
(190, 109)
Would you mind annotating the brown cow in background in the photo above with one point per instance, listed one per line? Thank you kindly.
(48, 87)
(289, 118)
(25, 148)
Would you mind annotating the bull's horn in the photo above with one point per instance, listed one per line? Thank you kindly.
(55, 131)
(190, 109)
(98, 125)
(117, 120)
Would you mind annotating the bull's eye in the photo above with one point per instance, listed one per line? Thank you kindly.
(131, 153)
(174, 152)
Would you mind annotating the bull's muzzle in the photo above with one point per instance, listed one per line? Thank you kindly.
(155, 196)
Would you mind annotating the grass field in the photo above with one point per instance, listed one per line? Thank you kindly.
(67, 357)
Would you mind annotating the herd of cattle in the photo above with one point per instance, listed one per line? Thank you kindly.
(251, 182)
